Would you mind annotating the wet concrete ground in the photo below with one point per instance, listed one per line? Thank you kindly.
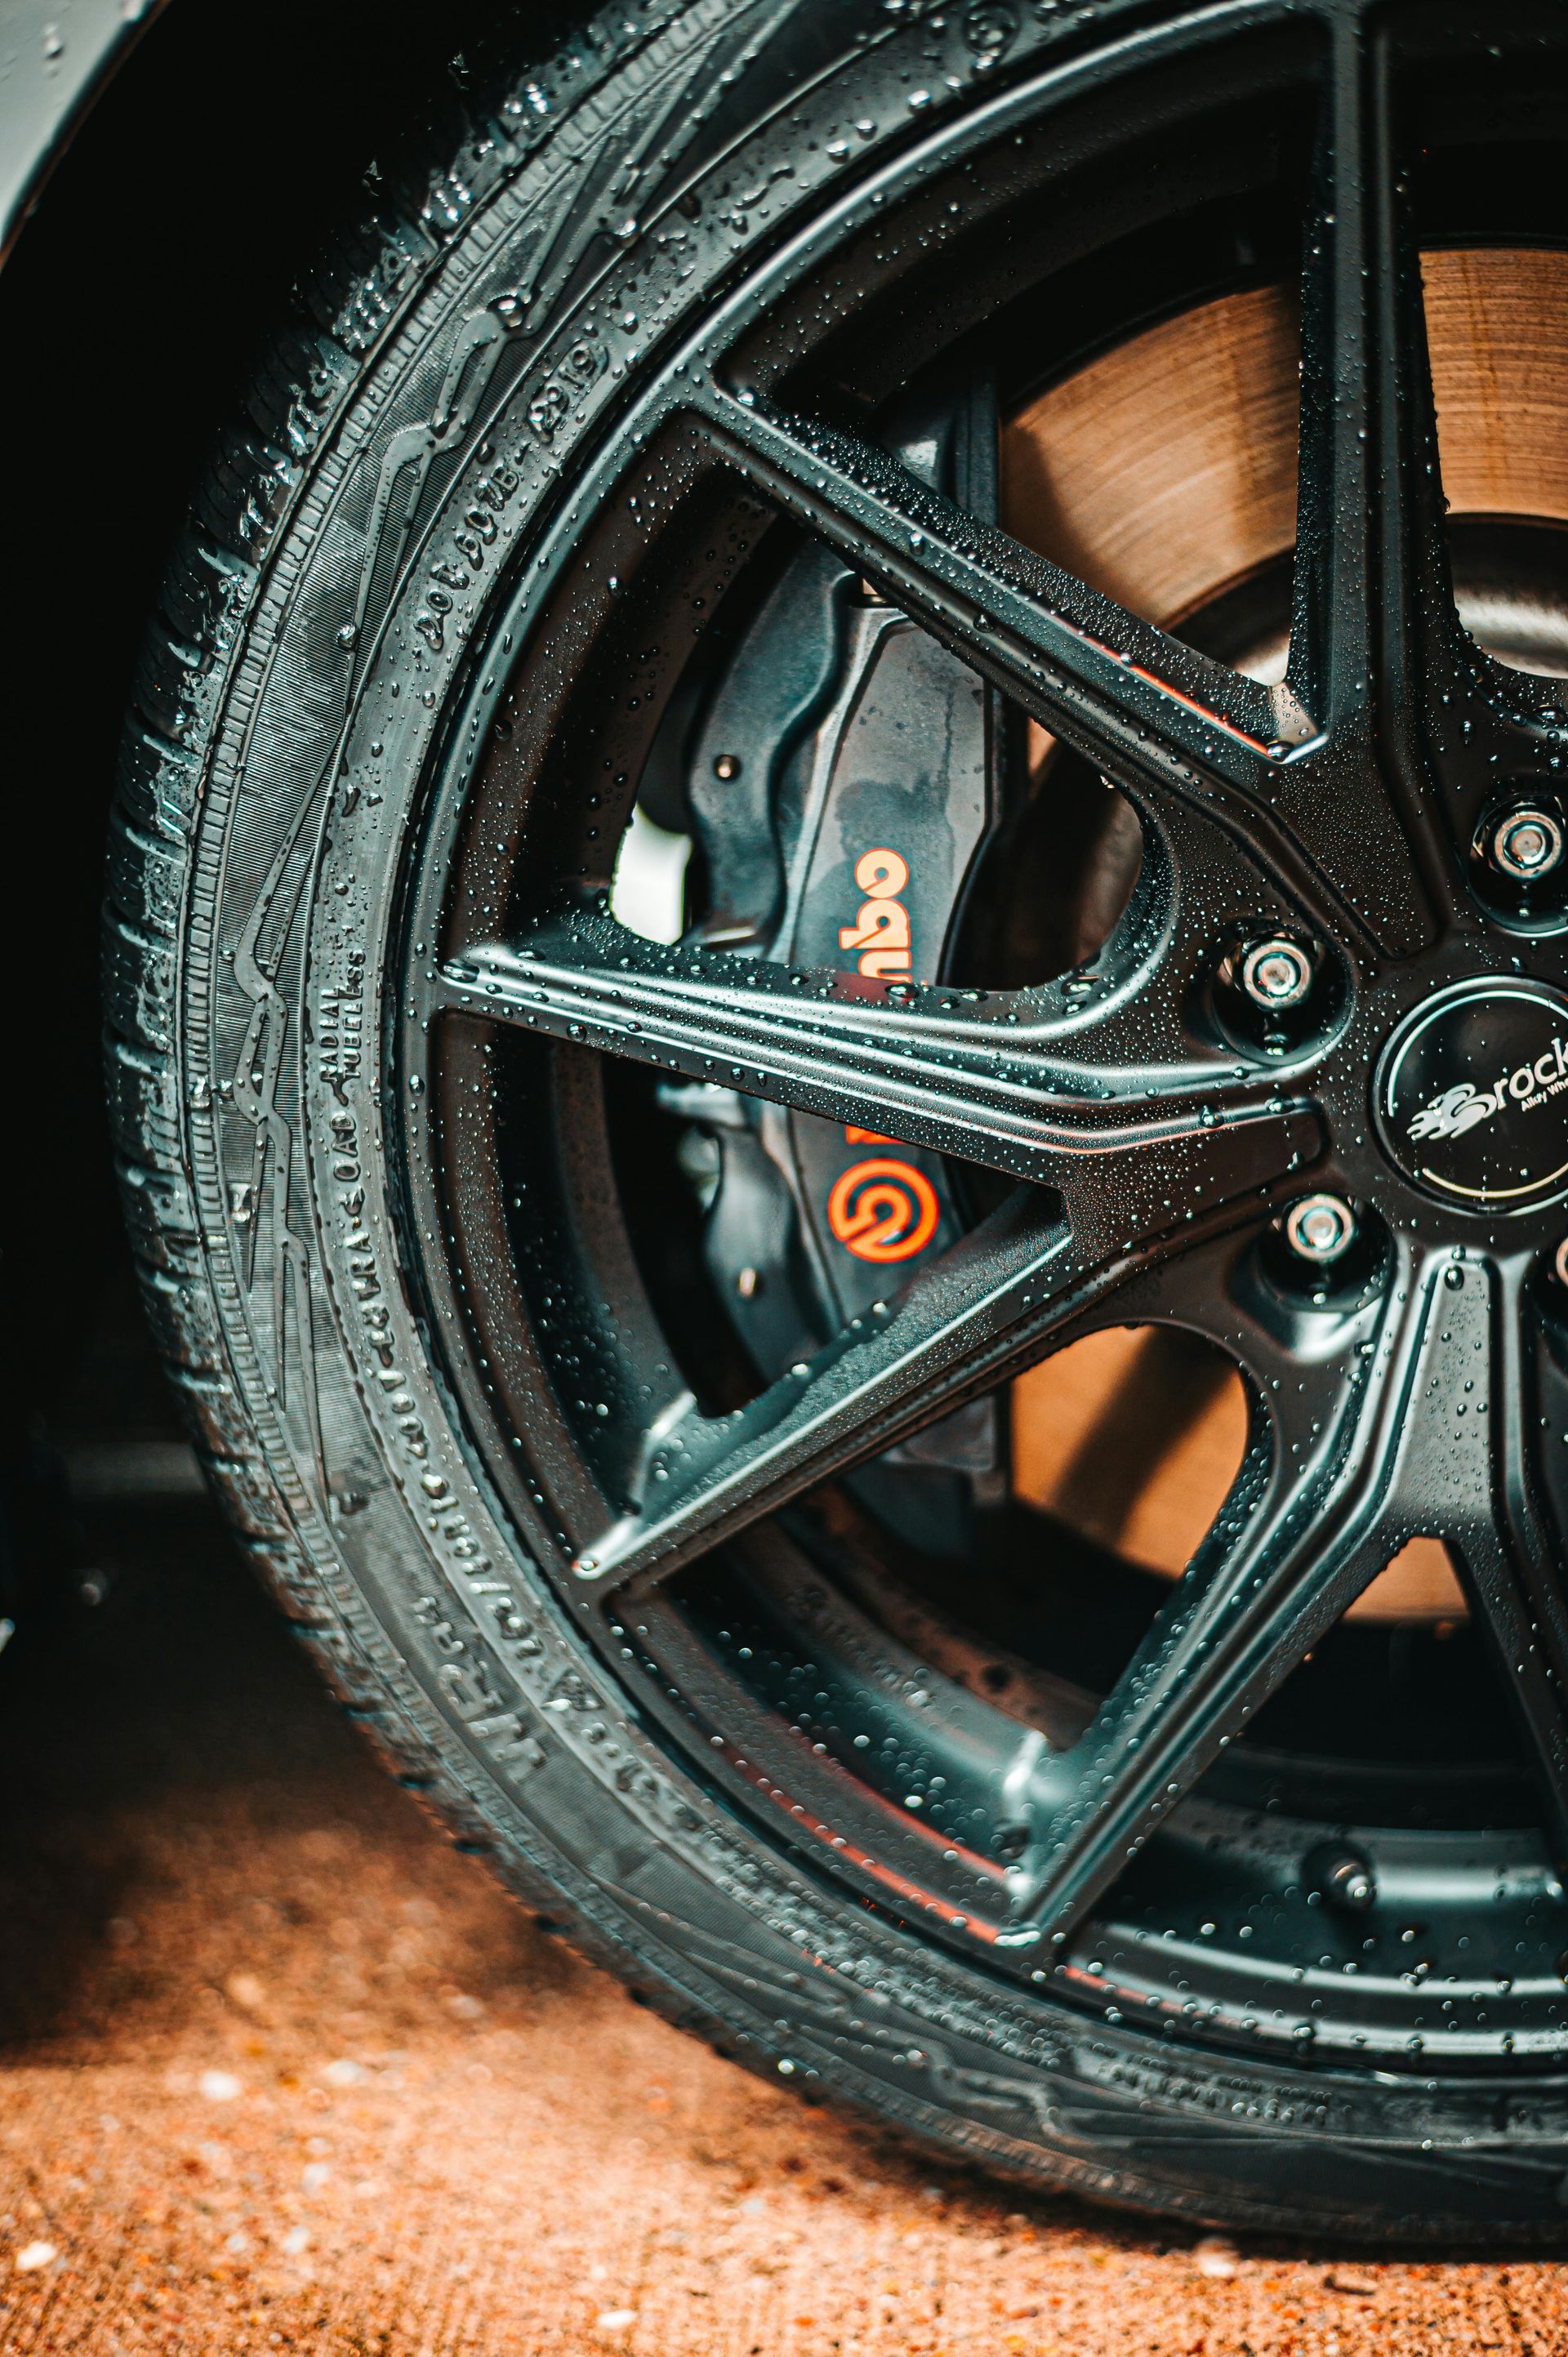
(282, 2069)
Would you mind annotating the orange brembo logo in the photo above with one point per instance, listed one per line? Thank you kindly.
(882, 1210)
(881, 931)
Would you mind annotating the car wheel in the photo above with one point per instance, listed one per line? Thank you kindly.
(838, 1032)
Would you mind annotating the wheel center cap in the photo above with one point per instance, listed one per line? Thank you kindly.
(1471, 1094)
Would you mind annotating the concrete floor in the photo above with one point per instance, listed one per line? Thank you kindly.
(282, 2069)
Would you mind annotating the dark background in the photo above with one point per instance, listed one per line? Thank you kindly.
(219, 163)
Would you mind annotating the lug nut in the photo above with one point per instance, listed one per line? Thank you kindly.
(1276, 974)
(1526, 844)
(1320, 1227)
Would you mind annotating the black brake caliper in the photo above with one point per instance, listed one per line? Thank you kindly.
(842, 782)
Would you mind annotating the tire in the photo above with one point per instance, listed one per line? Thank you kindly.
(444, 384)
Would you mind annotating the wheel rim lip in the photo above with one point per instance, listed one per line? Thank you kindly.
(617, 452)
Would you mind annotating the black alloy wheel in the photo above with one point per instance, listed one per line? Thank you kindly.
(693, 932)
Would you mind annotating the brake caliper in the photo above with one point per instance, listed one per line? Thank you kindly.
(842, 782)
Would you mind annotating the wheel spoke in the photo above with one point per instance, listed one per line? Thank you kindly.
(1373, 587)
(1138, 703)
(927, 1066)
(1375, 630)
(975, 1316)
(1324, 1501)
(1499, 1525)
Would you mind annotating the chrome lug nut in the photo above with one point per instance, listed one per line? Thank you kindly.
(1276, 974)
(1526, 844)
(1319, 1227)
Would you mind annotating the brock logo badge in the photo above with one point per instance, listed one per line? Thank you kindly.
(1457, 1079)
(1462, 1108)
